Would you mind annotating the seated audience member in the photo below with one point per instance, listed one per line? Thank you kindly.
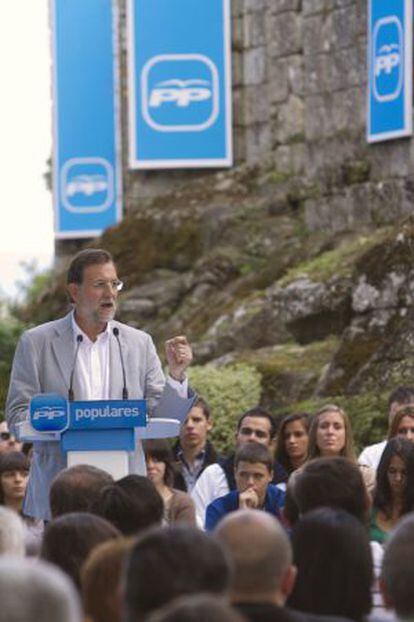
(397, 577)
(76, 488)
(332, 555)
(12, 533)
(402, 396)
(262, 571)
(14, 475)
(36, 592)
(101, 578)
(198, 608)
(253, 466)
(402, 424)
(8, 442)
(256, 425)
(394, 492)
(193, 451)
(331, 435)
(178, 505)
(169, 562)
(69, 539)
(131, 504)
(337, 483)
(292, 441)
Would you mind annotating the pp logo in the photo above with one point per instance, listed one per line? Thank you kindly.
(87, 185)
(180, 92)
(49, 412)
(387, 59)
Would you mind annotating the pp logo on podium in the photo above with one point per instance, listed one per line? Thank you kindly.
(49, 413)
(180, 92)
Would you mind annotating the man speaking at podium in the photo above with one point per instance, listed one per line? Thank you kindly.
(87, 355)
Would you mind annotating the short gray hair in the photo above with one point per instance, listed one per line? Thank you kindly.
(12, 533)
(35, 590)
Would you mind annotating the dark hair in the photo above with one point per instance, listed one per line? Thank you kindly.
(169, 562)
(258, 411)
(281, 453)
(404, 449)
(131, 504)
(401, 395)
(69, 539)
(332, 554)
(334, 482)
(348, 449)
(12, 461)
(398, 569)
(85, 258)
(202, 404)
(404, 411)
(160, 450)
(252, 453)
(75, 489)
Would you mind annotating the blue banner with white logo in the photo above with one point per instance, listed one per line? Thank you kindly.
(86, 153)
(389, 69)
(179, 83)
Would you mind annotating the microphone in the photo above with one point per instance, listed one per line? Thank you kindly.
(79, 340)
(115, 331)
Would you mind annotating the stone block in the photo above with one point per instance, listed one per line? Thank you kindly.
(317, 73)
(348, 110)
(256, 105)
(284, 34)
(291, 120)
(390, 159)
(278, 80)
(282, 159)
(318, 36)
(296, 74)
(237, 68)
(254, 30)
(258, 143)
(253, 6)
(310, 7)
(346, 69)
(255, 66)
(318, 117)
(281, 6)
(239, 112)
(239, 145)
(345, 27)
(237, 34)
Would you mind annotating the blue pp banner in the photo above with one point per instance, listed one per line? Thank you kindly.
(86, 160)
(389, 69)
(51, 412)
(179, 83)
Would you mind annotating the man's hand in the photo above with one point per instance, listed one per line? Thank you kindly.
(248, 499)
(179, 356)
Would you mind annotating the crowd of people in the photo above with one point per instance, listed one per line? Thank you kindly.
(290, 527)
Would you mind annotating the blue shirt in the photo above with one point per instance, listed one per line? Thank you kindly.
(274, 501)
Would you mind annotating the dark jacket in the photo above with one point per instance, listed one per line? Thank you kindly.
(222, 506)
(267, 612)
(210, 457)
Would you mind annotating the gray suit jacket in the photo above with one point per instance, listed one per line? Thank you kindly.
(42, 364)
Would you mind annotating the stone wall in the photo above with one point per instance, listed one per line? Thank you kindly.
(299, 75)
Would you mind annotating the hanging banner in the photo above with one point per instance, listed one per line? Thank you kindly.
(179, 83)
(86, 150)
(389, 69)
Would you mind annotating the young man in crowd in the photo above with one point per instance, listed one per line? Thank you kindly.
(253, 469)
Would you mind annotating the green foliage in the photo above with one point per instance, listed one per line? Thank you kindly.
(10, 331)
(229, 391)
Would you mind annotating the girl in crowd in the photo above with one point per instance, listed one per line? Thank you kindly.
(403, 424)
(14, 474)
(178, 505)
(394, 492)
(292, 441)
(331, 435)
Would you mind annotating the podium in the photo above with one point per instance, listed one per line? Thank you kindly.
(101, 433)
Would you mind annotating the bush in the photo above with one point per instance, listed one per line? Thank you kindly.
(9, 334)
(229, 391)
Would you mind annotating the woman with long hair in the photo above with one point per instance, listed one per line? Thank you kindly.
(331, 435)
(394, 491)
(402, 424)
(292, 441)
(178, 505)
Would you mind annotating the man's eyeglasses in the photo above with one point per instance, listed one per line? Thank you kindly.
(115, 285)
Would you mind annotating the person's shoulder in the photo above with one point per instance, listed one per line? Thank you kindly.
(48, 329)
(179, 496)
(129, 330)
(299, 616)
(212, 471)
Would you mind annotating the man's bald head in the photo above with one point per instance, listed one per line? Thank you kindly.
(260, 553)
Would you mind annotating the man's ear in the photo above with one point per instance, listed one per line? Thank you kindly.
(72, 289)
(210, 424)
(288, 581)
